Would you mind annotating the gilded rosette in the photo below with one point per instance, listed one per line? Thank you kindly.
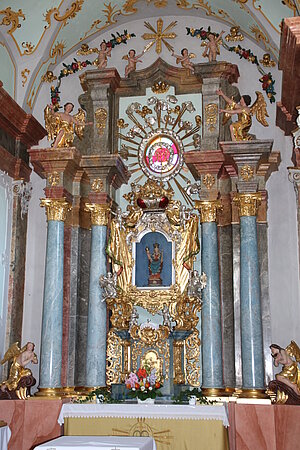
(208, 210)
(56, 208)
(99, 213)
(247, 203)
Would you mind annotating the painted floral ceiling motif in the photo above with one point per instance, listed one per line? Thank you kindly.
(48, 29)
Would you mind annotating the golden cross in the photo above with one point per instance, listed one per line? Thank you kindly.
(159, 35)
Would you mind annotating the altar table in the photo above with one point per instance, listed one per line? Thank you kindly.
(99, 443)
(4, 437)
(173, 427)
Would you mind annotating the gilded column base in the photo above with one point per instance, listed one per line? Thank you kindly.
(49, 393)
(214, 392)
(250, 393)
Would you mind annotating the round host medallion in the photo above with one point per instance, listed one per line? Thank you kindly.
(161, 154)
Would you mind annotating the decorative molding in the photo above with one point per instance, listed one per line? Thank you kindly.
(97, 185)
(248, 203)
(247, 172)
(56, 209)
(23, 190)
(160, 35)
(99, 213)
(208, 210)
(294, 177)
(208, 181)
(53, 178)
(101, 117)
(11, 18)
(24, 74)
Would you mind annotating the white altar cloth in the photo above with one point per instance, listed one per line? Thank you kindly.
(181, 412)
(99, 443)
(5, 434)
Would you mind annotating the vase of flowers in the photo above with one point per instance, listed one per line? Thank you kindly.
(143, 385)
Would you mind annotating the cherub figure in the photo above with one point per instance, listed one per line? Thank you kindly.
(20, 358)
(212, 47)
(239, 130)
(103, 54)
(133, 318)
(132, 59)
(62, 126)
(185, 59)
(109, 285)
(167, 319)
(196, 283)
(290, 374)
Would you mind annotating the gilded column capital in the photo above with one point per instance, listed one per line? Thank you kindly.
(248, 203)
(208, 209)
(56, 208)
(99, 213)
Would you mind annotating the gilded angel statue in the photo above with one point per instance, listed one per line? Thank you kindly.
(62, 126)
(290, 374)
(20, 358)
(239, 130)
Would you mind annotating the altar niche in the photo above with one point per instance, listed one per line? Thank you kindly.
(153, 256)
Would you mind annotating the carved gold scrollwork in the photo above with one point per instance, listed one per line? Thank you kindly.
(149, 335)
(247, 172)
(99, 213)
(53, 178)
(211, 115)
(12, 18)
(101, 116)
(113, 358)
(248, 203)
(208, 210)
(184, 312)
(56, 209)
(97, 185)
(208, 181)
(69, 14)
(24, 74)
(192, 359)
(160, 87)
(177, 362)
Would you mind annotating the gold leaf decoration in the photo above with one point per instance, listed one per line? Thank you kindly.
(58, 50)
(69, 14)
(24, 74)
(159, 35)
(11, 18)
(29, 47)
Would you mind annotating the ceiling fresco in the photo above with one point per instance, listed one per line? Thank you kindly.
(43, 31)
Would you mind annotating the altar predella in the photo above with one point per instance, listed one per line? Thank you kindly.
(160, 284)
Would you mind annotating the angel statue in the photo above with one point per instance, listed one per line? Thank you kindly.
(132, 59)
(185, 59)
(167, 319)
(61, 126)
(20, 358)
(109, 285)
(103, 54)
(240, 130)
(196, 283)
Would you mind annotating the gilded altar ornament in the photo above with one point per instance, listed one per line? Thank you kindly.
(113, 358)
(266, 61)
(70, 13)
(11, 18)
(99, 213)
(61, 126)
(159, 35)
(108, 284)
(247, 172)
(196, 284)
(287, 383)
(212, 47)
(160, 87)
(234, 35)
(185, 59)
(247, 203)
(97, 185)
(48, 77)
(53, 178)
(101, 117)
(240, 130)
(211, 116)
(192, 354)
(56, 208)
(208, 210)
(178, 364)
(208, 181)
(20, 358)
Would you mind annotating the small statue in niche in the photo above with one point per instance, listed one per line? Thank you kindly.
(155, 264)
(239, 130)
(133, 318)
(196, 283)
(212, 47)
(103, 54)
(185, 59)
(109, 285)
(62, 126)
(167, 319)
(288, 380)
(132, 59)
(20, 379)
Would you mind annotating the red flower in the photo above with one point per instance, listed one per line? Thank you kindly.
(108, 44)
(54, 100)
(264, 85)
(157, 384)
(137, 386)
(147, 384)
(84, 64)
(203, 34)
(142, 373)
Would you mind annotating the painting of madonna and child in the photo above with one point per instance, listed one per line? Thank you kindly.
(153, 257)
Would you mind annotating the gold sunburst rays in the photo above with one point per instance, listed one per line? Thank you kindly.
(160, 35)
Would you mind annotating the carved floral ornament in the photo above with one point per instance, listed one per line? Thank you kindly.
(99, 213)
(56, 209)
(248, 203)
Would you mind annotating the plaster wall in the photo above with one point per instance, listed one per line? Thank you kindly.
(283, 259)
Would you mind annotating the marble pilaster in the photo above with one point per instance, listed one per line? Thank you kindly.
(96, 338)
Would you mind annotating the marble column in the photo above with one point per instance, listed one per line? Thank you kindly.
(52, 324)
(212, 361)
(251, 318)
(96, 340)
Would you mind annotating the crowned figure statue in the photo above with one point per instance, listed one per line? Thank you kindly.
(155, 264)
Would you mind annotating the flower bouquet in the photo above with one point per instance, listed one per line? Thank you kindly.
(144, 384)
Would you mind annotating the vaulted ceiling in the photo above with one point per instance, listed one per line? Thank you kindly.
(45, 30)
